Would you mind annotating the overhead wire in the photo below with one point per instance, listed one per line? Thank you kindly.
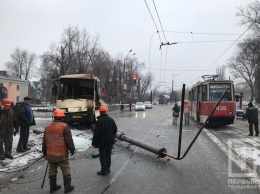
(159, 21)
(153, 20)
(204, 33)
(156, 29)
(165, 61)
(227, 49)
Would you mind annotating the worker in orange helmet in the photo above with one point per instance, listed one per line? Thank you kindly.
(104, 138)
(57, 140)
(8, 128)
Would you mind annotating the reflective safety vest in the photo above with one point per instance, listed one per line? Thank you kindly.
(55, 143)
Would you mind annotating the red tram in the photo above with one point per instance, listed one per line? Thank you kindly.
(204, 96)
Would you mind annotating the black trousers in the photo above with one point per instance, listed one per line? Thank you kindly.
(6, 141)
(251, 128)
(105, 158)
(24, 137)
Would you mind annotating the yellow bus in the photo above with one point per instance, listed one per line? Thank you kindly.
(79, 96)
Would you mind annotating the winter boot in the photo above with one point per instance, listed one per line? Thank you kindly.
(53, 184)
(67, 183)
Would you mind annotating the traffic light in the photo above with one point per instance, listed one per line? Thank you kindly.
(124, 93)
(134, 79)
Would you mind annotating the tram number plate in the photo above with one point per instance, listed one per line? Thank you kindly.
(77, 117)
(221, 108)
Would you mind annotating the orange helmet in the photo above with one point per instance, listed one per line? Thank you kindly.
(103, 109)
(58, 113)
(6, 102)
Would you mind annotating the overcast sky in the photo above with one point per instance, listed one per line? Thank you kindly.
(127, 24)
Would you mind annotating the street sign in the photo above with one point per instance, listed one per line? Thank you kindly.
(38, 95)
(128, 95)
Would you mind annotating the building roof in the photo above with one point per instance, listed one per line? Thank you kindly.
(79, 76)
(12, 79)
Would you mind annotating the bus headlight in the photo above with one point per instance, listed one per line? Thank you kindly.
(230, 112)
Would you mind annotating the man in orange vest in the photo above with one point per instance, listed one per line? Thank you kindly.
(57, 140)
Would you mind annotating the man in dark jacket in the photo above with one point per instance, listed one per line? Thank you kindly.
(57, 140)
(252, 117)
(25, 119)
(7, 126)
(104, 138)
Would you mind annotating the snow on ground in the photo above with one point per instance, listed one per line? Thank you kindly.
(246, 149)
(82, 141)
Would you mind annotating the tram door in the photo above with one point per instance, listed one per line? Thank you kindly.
(198, 103)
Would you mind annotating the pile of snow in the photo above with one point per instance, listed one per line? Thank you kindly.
(82, 141)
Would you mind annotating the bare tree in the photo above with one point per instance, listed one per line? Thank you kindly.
(244, 66)
(250, 15)
(220, 71)
(74, 54)
(22, 64)
(146, 83)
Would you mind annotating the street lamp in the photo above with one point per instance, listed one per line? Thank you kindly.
(124, 77)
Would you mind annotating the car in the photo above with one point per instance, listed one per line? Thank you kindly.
(241, 112)
(155, 103)
(148, 104)
(139, 106)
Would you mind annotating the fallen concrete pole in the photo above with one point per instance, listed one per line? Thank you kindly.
(159, 151)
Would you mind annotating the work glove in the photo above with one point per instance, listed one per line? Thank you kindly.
(72, 153)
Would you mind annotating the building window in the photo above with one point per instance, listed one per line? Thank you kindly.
(18, 87)
(17, 98)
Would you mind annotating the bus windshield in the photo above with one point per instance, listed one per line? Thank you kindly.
(216, 90)
(76, 88)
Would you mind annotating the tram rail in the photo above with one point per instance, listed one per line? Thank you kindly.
(224, 133)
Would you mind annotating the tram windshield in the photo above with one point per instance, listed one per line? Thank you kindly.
(216, 90)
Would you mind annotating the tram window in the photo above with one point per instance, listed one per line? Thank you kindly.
(216, 90)
(204, 93)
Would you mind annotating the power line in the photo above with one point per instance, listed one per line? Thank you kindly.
(175, 69)
(153, 20)
(201, 41)
(228, 48)
(159, 20)
(204, 33)
(206, 41)
(165, 61)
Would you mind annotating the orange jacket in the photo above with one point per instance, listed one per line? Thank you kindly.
(55, 143)
(186, 109)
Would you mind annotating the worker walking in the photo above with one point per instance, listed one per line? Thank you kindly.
(7, 126)
(186, 112)
(175, 114)
(104, 138)
(252, 117)
(25, 119)
(57, 140)
(130, 106)
(122, 104)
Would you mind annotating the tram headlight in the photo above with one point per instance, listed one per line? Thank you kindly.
(230, 112)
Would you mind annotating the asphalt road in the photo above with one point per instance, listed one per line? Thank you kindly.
(205, 169)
